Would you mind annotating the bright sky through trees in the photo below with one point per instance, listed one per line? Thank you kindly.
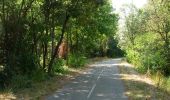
(119, 3)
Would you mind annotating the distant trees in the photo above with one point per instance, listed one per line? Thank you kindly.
(31, 32)
(147, 34)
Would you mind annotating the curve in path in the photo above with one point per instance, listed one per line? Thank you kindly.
(101, 82)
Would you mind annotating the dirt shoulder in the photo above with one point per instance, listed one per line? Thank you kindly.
(139, 86)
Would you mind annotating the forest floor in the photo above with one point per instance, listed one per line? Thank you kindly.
(37, 90)
(140, 86)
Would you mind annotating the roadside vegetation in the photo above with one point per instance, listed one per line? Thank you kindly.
(41, 41)
(38, 89)
(139, 86)
(146, 40)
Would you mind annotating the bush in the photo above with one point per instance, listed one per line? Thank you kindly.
(168, 84)
(20, 81)
(76, 60)
(3, 80)
(59, 66)
(147, 53)
(39, 75)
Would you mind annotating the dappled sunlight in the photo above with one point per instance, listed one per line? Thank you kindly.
(111, 62)
(7, 96)
(108, 63)
(101, 81)
(130, 76)
(134, 77)
(137, 94)
(104, 65)
(139, 86)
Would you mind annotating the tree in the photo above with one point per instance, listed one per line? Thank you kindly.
(142, 24)
(31, 32)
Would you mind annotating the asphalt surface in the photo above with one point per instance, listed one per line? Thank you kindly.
(101, 82)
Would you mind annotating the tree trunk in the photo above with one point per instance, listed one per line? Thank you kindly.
(70, 41)
(77, 42)
(52, 34)
(45, 47)
(58, 44)
(44, 55)
(4, 32)
(67, 52)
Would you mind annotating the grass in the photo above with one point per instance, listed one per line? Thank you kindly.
(140, 86)
(37, 89)
(40, 89)
(161, 81)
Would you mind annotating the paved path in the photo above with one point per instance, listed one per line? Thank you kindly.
(100, 82)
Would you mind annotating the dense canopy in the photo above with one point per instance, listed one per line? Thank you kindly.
(37, 35)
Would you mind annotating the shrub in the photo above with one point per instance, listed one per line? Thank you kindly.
(3, 80)
(20, 81)
(39, 75)
(168, 84)
(59, 66)
(76, 60)
(147, 53)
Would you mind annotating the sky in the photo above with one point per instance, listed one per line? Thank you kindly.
(117, 4)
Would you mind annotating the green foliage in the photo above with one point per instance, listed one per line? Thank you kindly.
(19, 82)
(38, 76)
(112, 48)
(26, 81)
(146, 36)
(76, 60)
(60, 66)
(146, 54)
(3, 80)
(31, 32)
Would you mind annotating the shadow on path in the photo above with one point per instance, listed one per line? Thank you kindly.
(101, 82)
